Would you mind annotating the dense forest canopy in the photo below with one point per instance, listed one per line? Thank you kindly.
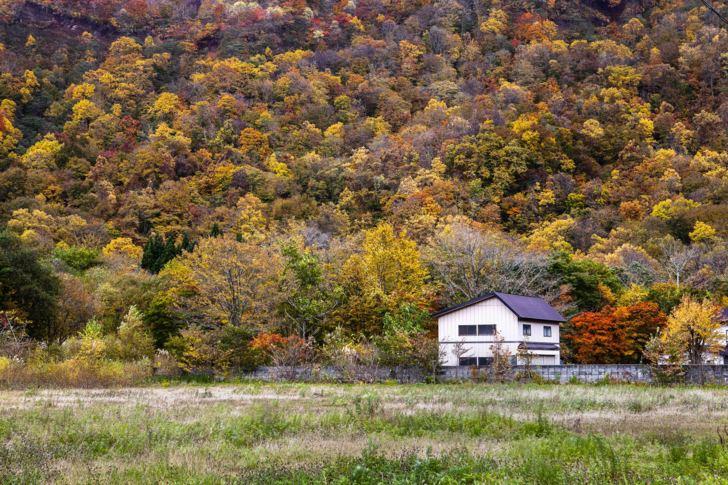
(225, 171)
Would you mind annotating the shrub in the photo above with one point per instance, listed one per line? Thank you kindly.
(406, 343)
(165, 365)
(284, 351)
(266, 343)
(501, 367)
(427, 353)
(405, 349)
(91, 346)
(216, 351)
(75, 373)
(133, 341)
(294, 351)
(90, 359)
(14, 342)
(664, 361)
(5, 364)
(77, 257)
(237, 351)
(355, 360)
(195, 351)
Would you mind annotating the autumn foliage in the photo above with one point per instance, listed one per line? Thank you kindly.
(613, 335)
(236, 168)
(268, 342)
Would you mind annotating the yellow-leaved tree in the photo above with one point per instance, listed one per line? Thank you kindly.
(43, 154)
(226, 282)
(166, 106)
(693, 329)
(9, 135)
(702, 232)
(122, 246)
(387, 274)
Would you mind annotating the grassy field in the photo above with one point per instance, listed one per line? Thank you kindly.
(305, 433)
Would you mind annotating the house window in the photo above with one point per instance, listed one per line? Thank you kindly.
(486, 329)
(526, 330)
(468, 361)
(467, 330)
(484, 361)
(547, 331)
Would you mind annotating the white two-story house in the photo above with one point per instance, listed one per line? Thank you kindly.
(524, 321)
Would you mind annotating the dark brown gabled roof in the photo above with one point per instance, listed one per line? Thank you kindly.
(525, 307)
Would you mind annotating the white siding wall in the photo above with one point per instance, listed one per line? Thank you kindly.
(488, 312)
(537, 332)
(493, 312)
(717, 358)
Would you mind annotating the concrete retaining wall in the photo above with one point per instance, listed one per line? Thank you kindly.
(707, 374)
(634, 373)
(563, 374)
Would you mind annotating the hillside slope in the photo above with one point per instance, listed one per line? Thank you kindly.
(592, 131)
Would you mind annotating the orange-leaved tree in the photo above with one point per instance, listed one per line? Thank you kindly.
(613, 335)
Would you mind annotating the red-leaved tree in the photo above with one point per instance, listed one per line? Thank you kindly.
(613, 335)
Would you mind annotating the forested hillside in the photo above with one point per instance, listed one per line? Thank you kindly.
(216, 177)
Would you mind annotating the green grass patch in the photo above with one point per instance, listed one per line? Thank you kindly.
(297, 433)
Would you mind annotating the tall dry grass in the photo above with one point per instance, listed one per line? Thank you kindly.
(73, 373)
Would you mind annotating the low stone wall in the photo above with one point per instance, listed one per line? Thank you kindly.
(595, 373)
(560, 373)
(564, 374)
(707, 374)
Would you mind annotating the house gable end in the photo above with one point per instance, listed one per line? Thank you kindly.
(523, 307)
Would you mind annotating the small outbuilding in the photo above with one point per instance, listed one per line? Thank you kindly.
(467, 331)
